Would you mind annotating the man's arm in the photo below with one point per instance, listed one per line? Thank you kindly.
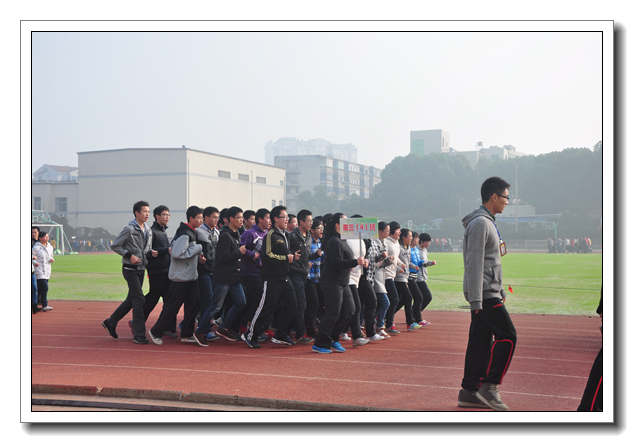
(474, 263)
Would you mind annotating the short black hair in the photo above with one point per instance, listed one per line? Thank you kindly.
(193, 211)
(276, 211)
(209, 210)
(493, 185)
(159, 210)
(394, 225)
(138, 205)
(35, 227)
(260, 214)
(425, 237)
(414, 235)
(382, 225)
(290, 216)
(301, 215)
(232, 212)
(41, 234)
(248, 214)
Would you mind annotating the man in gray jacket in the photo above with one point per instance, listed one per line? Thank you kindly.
(486, 362)
(133, 244)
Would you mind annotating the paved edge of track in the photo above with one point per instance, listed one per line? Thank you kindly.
(198, 397)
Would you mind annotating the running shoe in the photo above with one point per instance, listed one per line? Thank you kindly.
(337, 347)
(321, 350)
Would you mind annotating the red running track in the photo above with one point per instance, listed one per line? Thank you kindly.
(418, 371)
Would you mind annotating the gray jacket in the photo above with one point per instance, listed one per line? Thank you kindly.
(404, 257)
(185, 253)
(133, 241)
(481, 255)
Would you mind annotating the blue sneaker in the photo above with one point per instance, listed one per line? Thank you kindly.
(414, 326)
(321, 350)
(337, 347)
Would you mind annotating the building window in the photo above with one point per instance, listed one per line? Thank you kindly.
(418, 147)
(61, 204)
(37, 203)
(281, 202)
(272, 203)
(243, 177)
(260, 180)
(281, 182)
(224, 174)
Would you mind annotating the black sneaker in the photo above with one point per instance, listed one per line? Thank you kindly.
(141, 340)
(110, 329)
(228, 334)
(468, 399)
(252, 344)
(490, 395)
(201, 339)
(283, 341)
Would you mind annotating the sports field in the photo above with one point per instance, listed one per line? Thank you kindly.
(562, 284)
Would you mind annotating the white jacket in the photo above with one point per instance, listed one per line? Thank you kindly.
(393, 250)
(357, 271)
(44, 259)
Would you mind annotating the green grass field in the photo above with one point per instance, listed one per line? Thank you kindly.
(563, 284)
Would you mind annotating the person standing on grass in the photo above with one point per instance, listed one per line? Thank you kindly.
(486, 361)
(43, 253)
(276, 258)
(158, 266)
(133, 244)
(183, 275)
(420, 259)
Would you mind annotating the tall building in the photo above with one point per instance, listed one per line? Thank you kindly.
(426, 142)
(111, 181)
(338, 177)
(288, 146)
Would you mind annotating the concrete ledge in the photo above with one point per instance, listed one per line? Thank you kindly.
(141, 393)
(63, 389)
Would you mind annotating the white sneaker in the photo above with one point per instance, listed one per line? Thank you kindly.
(376, 337)
(48, 308)
(344, 337)
(360, 341)
(157, 341)
(384, 334)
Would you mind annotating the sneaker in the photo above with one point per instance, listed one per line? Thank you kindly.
(212, 336)
(490, 396)
(140, 340)
(424, 323)
(169, 334)
(227, 333)
(376, 337)
(321, 350)
(337, 346)
(468, 399)
(283, 341)
(393, 330)
(343, 336)
(188, 339)
(305, 340)
(263, 337)
(156, 340)
(201, 339)
(36, 310)
(47, 308)
(251, 344)
(384, 334)
(269, 333)
(414, 326)
(360, 341)
(110, 329)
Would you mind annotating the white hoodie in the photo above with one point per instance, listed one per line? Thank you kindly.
(393, 250)
(44, 259)
(357, 271)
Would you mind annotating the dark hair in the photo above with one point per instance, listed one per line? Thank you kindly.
(404, 233)
(159, 209)
(275, 212)
(138, 205)
(393, 227)
(382, 225)
(193, 211)
(248, 214)
(35, 227)
(223, 215)
(232, 212)
(414, 235)
(301, 215)
(330, 227)
(290, 216)
(261, 214)
(316, 223)
(41, 234)
(425, 237)
(493, 185)
(209, 210)
(357, 216)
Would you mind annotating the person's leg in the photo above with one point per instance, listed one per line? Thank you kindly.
(231, 320)
(345, 313)
(289, 308)
(383, 303)
(42, 290)
(205, 291)
(268, 303)
(394, 298)
(497, 318)
(426, 293)
(405, 301)
(312, 305)
(217, 300)
(418, 300)
(368, 300)
(191, 300)
(333, 296)
(138, 301)
(153, 296)
(592, 399)
(171, 306)
(478, 353)
(355, 326)
(299, 286)
(34, 307)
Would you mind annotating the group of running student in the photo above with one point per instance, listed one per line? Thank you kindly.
(260, 275)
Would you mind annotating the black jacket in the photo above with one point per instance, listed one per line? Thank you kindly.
(274, 255)
(208, 238)
(228, 258)
(298, 242)
(160, 243)
(338, 261)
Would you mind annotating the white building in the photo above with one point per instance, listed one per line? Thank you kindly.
(50, 173)
(426, 142)
(111, 181)
(291, 146)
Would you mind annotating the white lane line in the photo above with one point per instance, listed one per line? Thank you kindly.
(250, 374)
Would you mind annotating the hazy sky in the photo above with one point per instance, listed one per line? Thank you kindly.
(230, 93)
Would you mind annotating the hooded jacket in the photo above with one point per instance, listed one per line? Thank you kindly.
(297, 241)
(227, 270)
(44, 256)
(252, 241)
(338, 262)
(133, 241)
(208, 239)
(160, 243)
(393, 250)
(185, 252)
(482, 261)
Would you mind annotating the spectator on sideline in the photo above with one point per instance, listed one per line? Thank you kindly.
(183, 275)
(133, 244)
(486, 361)
(43, 252)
